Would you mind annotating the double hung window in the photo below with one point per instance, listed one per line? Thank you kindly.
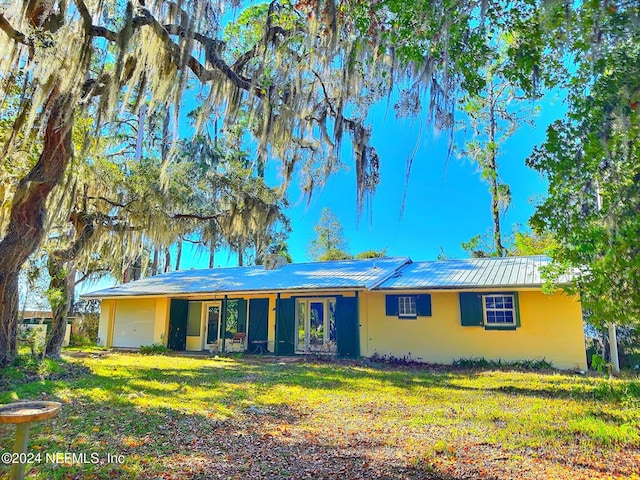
(499, 310)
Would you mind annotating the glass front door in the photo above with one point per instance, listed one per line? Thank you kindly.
(315, 324)
(212, 313)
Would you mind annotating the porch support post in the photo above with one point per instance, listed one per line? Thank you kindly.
(223, 325)
(358, 322)
(276, 350)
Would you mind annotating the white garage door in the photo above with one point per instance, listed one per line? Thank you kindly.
(133, 324)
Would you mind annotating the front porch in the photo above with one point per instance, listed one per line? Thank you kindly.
(322, 325)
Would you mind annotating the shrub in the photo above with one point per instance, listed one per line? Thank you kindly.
(472, 362)
(78, 340)
(481, 362)
(155, 348)
(598, 363)
(406, 360)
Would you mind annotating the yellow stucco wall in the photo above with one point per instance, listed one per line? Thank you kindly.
(106, 318)
(551, 328)
(161, 324)
(126, 308)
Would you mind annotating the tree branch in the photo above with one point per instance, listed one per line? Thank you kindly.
(95, 86)
(198, 69)
(14, 34)
(182, 216)
(111, 202)
(84, 13)
(269, 37)
(88, 274)
(324, 91)
(86, 228)
(210, 47)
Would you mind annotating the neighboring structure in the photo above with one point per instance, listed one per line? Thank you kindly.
(40, 322)
(434, 312)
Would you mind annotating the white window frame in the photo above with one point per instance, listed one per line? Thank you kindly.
(402, 305)
(205, 323)
(327, 345)
(502, 309)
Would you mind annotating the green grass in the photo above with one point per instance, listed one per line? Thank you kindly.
(240, 417)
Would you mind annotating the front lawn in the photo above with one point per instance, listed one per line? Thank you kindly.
(199, 418)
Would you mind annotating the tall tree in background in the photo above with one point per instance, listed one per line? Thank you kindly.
(151, 52)
(330, 242)
(109, 216)
(533, 243)
(233, 205)
(592, 162)
(520, 242)
(494, 114)
(306, 77)
(591, 159)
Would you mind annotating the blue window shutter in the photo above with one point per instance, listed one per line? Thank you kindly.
(423, 305)
(471, 309)
(391, 305)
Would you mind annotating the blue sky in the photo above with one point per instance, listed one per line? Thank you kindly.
(446, 201)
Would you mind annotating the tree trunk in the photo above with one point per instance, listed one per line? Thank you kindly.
(614, 358)
(72, 290)
(59, 288)
(167, 260)
(136, 268)
(212, 253)
(178, 256)
(495, 211)
(62, 271)
(259, 250)
(154, 264)
(126, 270)
(28, 213)
(9, 317)
(493, 166)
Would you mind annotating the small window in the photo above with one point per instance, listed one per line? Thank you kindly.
(407, 307)
(499, 310)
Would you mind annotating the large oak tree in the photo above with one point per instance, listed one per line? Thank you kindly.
(306, 75)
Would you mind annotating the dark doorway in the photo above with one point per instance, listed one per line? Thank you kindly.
(258, 322)
(285, 326)
(347, 327)
(178, 316)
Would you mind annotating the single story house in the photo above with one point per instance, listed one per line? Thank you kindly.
(434, 312)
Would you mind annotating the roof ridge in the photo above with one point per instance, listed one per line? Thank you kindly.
(482, 258)
(295, 263)
(407, 261)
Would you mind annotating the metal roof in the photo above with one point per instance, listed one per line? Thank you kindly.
(395, 273)
(366, 273)
(469, 273)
